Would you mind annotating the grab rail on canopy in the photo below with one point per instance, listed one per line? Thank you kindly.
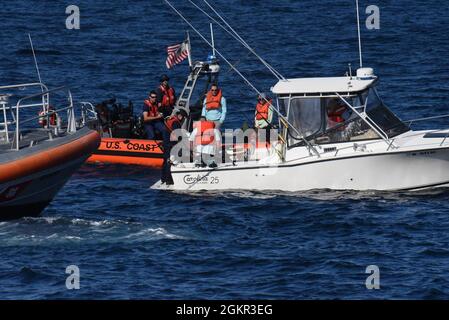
(410, 122)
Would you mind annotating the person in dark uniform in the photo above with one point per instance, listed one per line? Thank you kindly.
(172, 123)
(153, 119)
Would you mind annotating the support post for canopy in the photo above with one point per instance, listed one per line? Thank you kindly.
(358, 31)
(212, 39)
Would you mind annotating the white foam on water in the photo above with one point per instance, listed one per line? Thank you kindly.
(154, 233)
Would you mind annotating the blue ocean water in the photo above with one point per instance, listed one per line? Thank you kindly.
(132, 242)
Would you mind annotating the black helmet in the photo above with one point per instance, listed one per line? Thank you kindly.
(164, 78)
(182, 112)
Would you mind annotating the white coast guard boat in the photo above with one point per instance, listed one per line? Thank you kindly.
(334, 133)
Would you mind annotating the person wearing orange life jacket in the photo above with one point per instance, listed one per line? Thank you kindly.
(264, 112)
(206, 139)
(152, 118)
(335, 112)
(50, 115)
(166, 96)
(214, 106)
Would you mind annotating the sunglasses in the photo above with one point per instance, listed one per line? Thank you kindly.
(153, 97)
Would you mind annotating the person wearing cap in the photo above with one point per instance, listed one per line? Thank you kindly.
(264, 112)
(171, 139)
(214, 106)
(166, 97)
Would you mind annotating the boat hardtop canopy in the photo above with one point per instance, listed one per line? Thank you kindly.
(349, 84)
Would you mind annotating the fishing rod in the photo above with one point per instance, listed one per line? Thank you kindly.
(280, 115)
(239, 39)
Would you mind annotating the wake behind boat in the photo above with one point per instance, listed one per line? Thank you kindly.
(333, 133)
(41, 146)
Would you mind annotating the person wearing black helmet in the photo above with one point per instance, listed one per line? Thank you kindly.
(166, 96)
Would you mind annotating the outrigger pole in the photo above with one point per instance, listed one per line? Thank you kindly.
(358, 31)
(237, 37)
(280, 115)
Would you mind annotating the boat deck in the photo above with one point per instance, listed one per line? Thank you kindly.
(29, 138)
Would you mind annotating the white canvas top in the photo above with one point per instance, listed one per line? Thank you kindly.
(328, 85)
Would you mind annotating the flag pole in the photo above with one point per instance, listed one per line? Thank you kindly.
(189, 48)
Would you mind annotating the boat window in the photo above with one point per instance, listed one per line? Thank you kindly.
(344, 125)
(283, 104)
(383, 117)
(305, 116)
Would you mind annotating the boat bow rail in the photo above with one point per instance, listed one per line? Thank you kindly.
(16, 117)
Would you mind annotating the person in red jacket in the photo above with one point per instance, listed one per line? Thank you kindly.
(335, 113)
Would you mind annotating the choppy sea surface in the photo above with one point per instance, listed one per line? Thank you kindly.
(132, 242)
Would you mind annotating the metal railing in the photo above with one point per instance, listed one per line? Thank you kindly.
(410, 122)
(43, 105)
(88, 112)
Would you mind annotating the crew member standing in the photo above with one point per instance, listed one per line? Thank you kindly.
(166, 97)
(172, 123)
(264, 113)
(214, 106)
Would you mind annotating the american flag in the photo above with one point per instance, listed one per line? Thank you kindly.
(177, 54)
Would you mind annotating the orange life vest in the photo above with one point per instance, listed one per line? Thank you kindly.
(168, 97)
(263, 109)
(213, 102)
(205, 133)
(153, 109)
(171, 121)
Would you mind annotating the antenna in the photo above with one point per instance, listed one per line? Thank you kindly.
(35, 60)
(358, 30)
(212, 38)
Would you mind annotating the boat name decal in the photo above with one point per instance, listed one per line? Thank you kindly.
(189, 179)
(132, 146)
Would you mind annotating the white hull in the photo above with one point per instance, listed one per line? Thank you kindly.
(406, 169)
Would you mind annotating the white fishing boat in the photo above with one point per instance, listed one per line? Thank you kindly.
(334, 133)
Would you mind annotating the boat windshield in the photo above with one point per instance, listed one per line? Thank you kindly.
(329, 120)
